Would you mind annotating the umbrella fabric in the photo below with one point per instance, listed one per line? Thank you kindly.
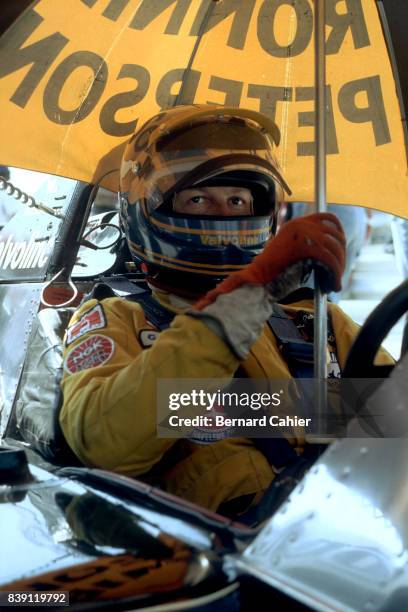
(77, 77)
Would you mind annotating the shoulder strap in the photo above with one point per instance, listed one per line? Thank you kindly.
(298, 353)
(138, 292)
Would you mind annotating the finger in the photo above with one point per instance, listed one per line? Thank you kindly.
(334, 243)
(326, 219)
(325, 216)
(332, 231)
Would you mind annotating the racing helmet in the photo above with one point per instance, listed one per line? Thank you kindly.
(195, 146)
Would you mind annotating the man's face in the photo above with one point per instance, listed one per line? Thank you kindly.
(214, 201)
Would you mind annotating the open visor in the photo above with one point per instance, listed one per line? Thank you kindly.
(197, 151)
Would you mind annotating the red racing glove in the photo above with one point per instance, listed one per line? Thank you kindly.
(318, 238)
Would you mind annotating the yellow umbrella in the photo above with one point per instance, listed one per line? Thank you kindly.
(78, 77)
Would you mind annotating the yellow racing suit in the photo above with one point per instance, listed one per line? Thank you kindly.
(109, 387)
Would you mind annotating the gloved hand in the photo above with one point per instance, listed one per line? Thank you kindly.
(318, 238)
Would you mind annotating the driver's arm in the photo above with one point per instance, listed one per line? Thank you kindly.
(109, 383)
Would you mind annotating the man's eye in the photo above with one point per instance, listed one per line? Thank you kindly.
(197, 199)
(237, 201)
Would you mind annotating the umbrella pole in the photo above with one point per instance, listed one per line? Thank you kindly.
(320, 333)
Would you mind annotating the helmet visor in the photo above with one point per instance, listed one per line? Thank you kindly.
(195, 153)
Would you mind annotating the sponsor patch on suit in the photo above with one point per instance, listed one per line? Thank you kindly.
(89, 321)
(89, 353)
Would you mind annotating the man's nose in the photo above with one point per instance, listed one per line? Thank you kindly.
(221, 207)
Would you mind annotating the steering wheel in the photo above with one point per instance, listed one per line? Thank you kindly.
(360, 360)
